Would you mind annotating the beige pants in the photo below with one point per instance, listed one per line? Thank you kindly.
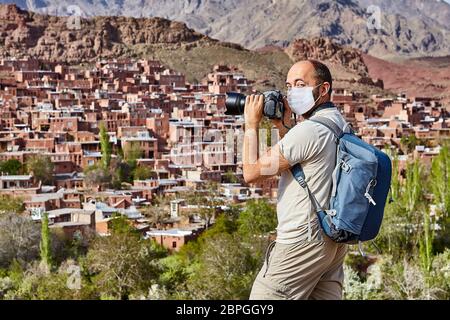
(304, 270)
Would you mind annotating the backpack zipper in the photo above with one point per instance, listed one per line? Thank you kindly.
(371, 184)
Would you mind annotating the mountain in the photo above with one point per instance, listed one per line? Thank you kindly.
(28, 34)
(410, 28)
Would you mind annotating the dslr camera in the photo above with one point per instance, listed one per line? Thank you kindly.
(273, 104)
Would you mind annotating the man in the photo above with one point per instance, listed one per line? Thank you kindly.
(299, 264)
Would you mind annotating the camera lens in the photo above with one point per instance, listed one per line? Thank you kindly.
(235, 104)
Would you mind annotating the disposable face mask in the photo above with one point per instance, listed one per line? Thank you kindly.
(301, 100)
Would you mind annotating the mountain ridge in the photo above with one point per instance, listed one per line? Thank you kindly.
(407, 30)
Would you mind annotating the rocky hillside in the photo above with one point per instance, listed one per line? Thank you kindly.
(25, 33)
(51, 37)
(324, 49)
(409, 27)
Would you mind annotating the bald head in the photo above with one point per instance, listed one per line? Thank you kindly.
(300, 72)
(311, 73)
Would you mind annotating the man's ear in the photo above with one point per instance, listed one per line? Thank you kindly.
(325, 89)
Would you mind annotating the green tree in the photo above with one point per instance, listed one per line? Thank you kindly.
(132, 153)
(440, 186)
(395, 183)
(230, 177)
(11, 167)
(426, 243)
(142, 173)
(122, 264)
(226, 269)
(258, 218)
(41, 167)
(45, 246)
(11, 204)
(413, 191)
(105, 146)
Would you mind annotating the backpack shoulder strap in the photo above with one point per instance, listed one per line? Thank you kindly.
(299, 176)
(330, 124)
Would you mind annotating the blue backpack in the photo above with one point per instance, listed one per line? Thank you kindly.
(361, 182)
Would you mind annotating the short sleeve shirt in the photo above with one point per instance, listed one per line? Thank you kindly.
(313, 146)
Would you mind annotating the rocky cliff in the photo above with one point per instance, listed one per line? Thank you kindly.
(75, 39)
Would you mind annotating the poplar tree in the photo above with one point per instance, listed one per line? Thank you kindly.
(45, 246)
(105, 147)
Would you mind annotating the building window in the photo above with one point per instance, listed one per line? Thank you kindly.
(174, 244)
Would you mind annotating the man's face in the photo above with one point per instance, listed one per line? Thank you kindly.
(301, 75)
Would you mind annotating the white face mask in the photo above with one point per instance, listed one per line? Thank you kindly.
(301, 100)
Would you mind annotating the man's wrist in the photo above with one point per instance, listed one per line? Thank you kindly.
(249, 126)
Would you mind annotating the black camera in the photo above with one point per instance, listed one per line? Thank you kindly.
(273, 104)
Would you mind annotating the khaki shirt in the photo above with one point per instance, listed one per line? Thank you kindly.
(312, 145)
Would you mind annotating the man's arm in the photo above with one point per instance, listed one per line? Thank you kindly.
(269, 164)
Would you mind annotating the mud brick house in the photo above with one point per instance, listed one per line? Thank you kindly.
(147, 144)
(223, 79)
(72, 180)
(73, 222)
(46, 145)
(20, 64)
(54, 200)
(170, 78)
(22, 186)
(158, 124)
(22, 75)
(173, 239)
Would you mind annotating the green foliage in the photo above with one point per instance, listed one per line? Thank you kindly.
(132, 153)
(10, 204)
(11, 167)
(105, 147)
(41, 167)
(413, 189)
(403, 220)
(230, 257)
(230, 177)
(45, 246)
(258, 218)
(410, 142)
(267, 125)
(37, 283)
(142, 173)
(122, 264)
(395, 182)
(440, 186)
(230, 267)
(426, 243)
(208, 201)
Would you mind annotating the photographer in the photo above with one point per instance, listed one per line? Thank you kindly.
(302, 263)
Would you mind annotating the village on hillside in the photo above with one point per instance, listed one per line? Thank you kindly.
(161, 141)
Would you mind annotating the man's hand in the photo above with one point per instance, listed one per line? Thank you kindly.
(287, 119)
(254, 106)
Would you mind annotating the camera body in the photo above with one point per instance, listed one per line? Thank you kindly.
(273, 104)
